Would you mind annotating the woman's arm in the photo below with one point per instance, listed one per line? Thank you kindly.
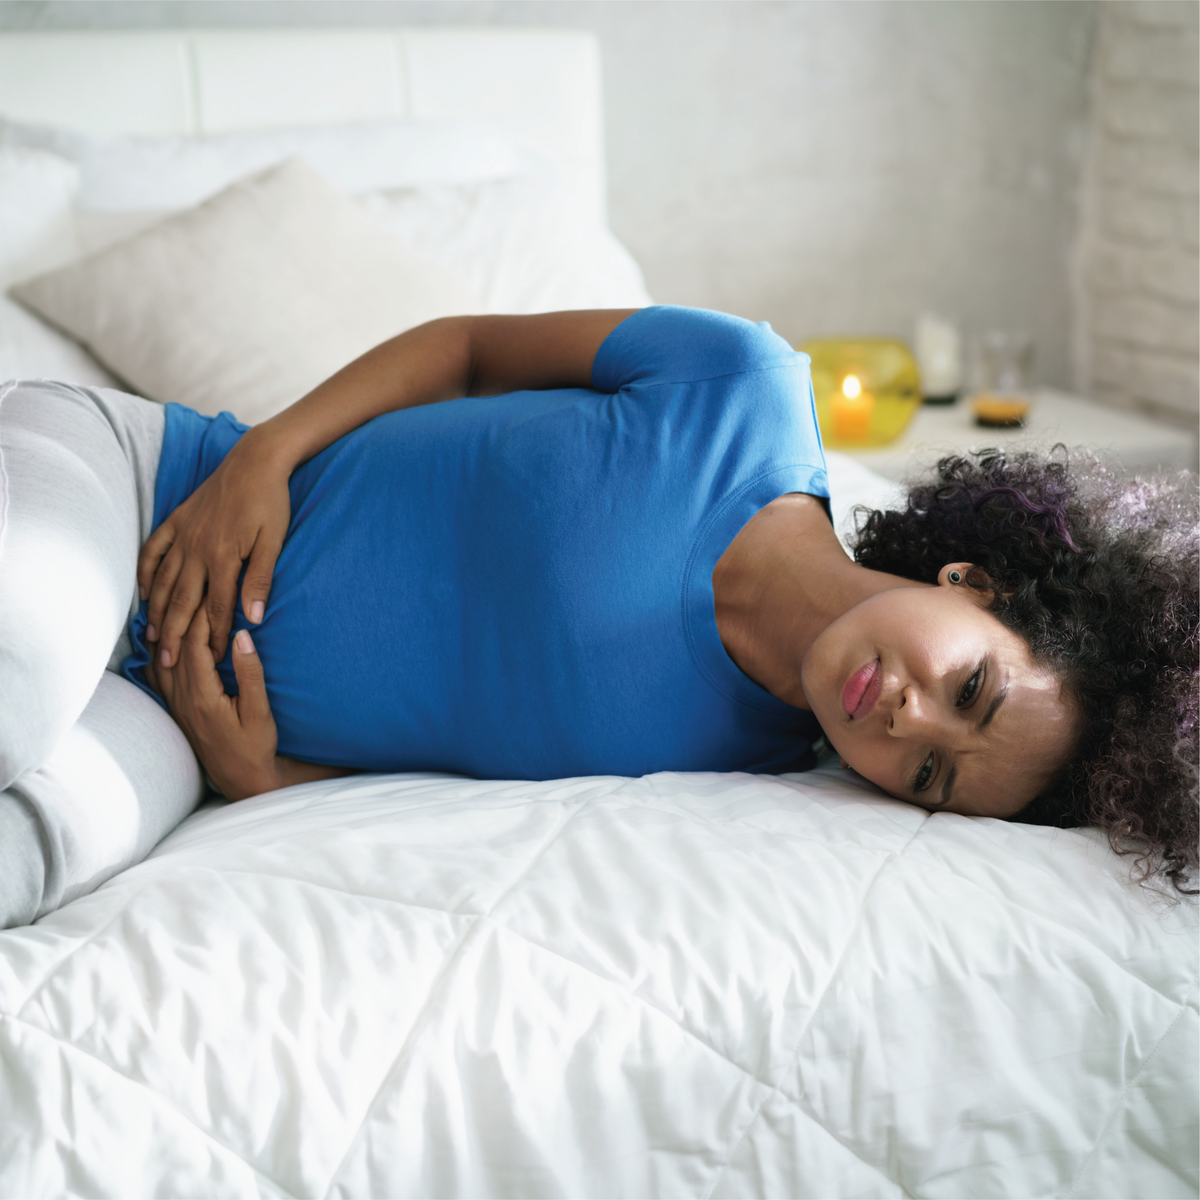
(241, 511)
(443, 360)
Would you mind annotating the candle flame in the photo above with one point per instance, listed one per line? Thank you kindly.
(851, 387)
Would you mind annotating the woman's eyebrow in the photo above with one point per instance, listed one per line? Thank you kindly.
(951, 776)
(992, 709)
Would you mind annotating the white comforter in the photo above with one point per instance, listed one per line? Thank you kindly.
(696, 985)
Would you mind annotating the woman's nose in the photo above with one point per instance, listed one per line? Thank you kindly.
(912, 714)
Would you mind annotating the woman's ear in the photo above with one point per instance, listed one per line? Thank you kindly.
(955, 575)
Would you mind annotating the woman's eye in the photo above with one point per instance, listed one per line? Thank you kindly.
(924, 775)
(970, 689)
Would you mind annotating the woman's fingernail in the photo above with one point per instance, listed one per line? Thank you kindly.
(152, 633)
(244, 644)
(165, 658)
(256, 611)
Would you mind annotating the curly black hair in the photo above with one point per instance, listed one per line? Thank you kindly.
(1100, 577)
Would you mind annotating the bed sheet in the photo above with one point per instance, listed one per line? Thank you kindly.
(681, 985)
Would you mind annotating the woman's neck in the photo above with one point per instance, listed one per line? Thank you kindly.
(781, 583)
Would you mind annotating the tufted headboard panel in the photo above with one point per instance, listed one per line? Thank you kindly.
(543, 86)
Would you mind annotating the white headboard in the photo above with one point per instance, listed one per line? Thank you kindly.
(542, 86)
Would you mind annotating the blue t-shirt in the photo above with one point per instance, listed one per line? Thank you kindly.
(520, 586)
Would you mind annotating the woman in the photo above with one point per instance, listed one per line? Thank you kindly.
(624, 563)
(574, 544)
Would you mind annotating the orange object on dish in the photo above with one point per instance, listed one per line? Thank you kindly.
(1000, 412)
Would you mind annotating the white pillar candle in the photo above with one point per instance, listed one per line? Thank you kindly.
(939, 355)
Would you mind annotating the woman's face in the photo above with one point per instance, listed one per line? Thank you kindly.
(925, 693)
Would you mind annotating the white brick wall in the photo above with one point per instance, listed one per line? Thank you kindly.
(1137, 338)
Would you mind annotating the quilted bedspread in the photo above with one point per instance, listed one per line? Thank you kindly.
(682, 985)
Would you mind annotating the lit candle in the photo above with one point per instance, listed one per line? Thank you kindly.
(852, 411)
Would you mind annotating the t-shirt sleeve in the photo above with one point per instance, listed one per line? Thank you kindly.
(669, 344)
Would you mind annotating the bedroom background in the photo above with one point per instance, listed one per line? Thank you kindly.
(679, 984)
(841, 168)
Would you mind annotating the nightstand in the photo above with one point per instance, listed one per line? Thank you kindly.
(1135, 443)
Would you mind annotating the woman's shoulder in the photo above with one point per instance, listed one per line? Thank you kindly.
(674, 344)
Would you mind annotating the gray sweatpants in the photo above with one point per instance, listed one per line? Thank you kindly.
(94, 773)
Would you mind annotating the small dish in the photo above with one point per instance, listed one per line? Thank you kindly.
(999, 412)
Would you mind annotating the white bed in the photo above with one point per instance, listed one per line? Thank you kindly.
(690, 985)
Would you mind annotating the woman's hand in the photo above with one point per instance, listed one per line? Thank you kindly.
(234, 737)
(193, 558)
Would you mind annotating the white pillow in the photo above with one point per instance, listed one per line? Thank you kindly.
(37, 233)
(31, 349)
(99, 230)
(37, 191)
(249, 300)
(163, 173)
(521, 244)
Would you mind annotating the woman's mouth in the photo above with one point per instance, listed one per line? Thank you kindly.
(862, 690)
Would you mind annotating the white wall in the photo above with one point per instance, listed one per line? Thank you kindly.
(1138, 311)
(840, 167)
(825, 166)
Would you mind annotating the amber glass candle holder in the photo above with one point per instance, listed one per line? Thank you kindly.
(866, 389)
